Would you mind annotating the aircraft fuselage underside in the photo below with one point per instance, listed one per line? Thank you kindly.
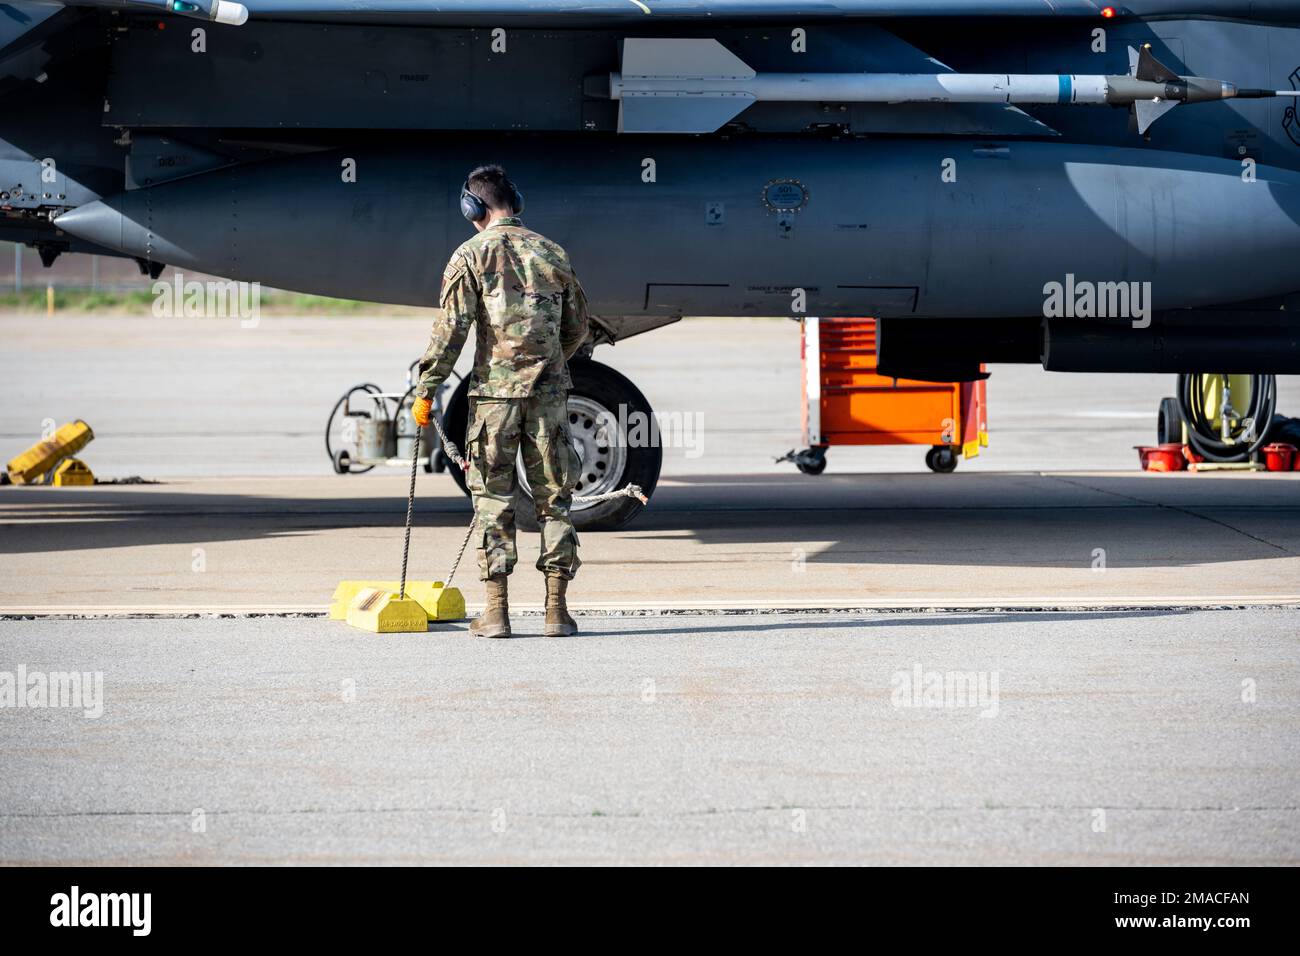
(327, 158)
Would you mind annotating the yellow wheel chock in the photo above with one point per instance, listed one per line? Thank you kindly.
(438, 602)
(383, 612)
(398, 607)
(32, 464)
(73, 471)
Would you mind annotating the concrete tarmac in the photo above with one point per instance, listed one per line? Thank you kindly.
(777, 542)
(1053, 514)
(1151, 737)
(206, 397)
(1028, 661)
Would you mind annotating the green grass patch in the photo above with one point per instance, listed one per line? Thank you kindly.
(140, 302)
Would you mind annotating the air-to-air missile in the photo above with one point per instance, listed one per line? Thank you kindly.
(219, 11)
(698, 85)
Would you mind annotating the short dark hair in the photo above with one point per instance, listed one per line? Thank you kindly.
(493, 186)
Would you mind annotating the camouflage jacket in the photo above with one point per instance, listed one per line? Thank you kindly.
(530, 310)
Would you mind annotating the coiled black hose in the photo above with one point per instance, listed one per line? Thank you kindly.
(1204, 439)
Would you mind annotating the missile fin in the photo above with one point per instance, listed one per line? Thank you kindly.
(1146, 112)
(686, 58)
(638, 113)
(1149, 68)
(689, 110)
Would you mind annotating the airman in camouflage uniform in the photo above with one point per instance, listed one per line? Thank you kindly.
(520, 291)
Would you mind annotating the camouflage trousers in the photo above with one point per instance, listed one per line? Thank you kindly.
(499, 429)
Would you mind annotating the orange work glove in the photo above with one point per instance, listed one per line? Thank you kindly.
(421, 410)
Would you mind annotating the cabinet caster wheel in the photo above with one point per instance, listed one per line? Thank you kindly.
(941, 459)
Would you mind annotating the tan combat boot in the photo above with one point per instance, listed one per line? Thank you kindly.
(558, 622)
(495, 619)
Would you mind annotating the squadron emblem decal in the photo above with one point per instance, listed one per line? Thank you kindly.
(785, 195)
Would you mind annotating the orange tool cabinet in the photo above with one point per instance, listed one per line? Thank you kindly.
(847, 403)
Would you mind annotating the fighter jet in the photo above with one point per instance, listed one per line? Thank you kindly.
(1095, 187)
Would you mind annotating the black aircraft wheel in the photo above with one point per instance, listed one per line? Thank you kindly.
(609, 461)
(941, 459)
(1169, 423)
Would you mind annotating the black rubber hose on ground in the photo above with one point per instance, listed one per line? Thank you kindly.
(1204, 439)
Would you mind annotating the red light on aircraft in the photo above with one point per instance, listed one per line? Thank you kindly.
(1107, 12)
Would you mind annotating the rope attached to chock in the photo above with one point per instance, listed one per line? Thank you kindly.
(410, 513)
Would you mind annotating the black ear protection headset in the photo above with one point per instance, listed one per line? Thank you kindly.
(476, 210)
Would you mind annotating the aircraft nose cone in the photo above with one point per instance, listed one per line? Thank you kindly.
(95, 222)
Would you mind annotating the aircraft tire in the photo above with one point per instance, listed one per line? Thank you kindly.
(1169, 422)
(597, 389)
